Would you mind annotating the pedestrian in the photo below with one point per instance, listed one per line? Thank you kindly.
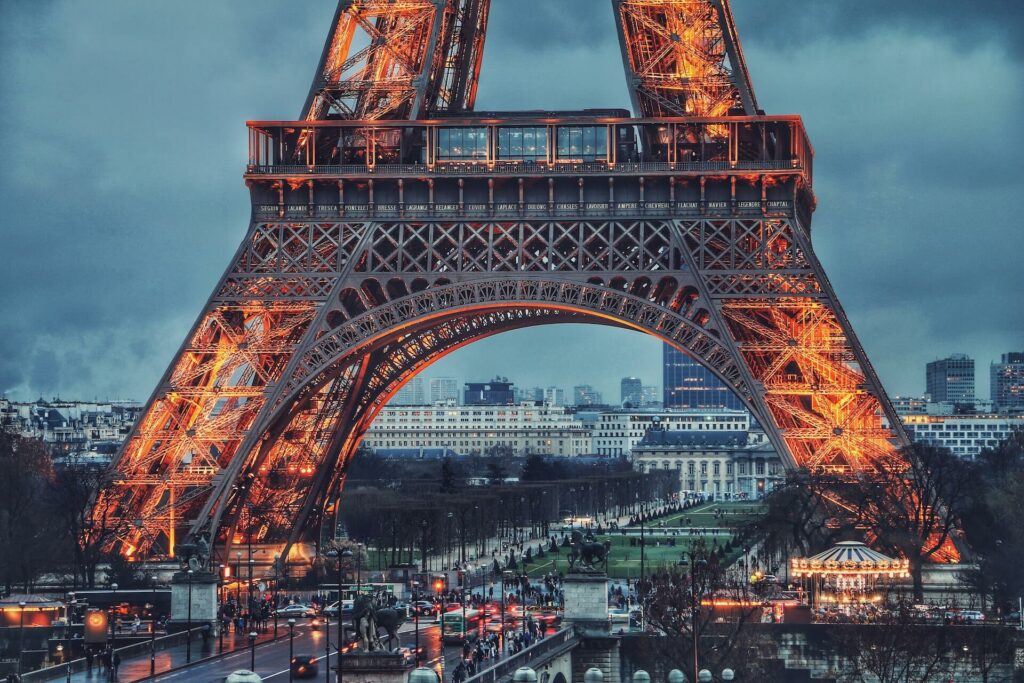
(115, 661)
(88, 660)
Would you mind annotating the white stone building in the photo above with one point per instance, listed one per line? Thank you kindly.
(725, 465)
(616, 433)
(526, 428)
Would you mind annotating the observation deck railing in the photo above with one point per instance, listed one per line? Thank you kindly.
(631, 209)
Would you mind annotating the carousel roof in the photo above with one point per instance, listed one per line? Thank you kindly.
(849, 556)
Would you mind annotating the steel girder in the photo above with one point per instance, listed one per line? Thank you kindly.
(683, 58)
(399, 59)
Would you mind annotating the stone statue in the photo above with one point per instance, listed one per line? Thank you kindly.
(364, 618)
(586, 554)
(195, 555)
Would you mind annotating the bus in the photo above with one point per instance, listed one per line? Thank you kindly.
(454, 628)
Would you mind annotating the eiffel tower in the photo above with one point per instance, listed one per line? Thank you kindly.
(392, 224)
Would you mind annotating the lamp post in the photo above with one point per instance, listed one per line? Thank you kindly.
(113, 636)
(252, 651)
(416, 617)
(291, 648)
(695, 614)
(21, 633)
(277, 562)
(220, 609)
(503, 644)
(423, 533)
(340, 556)
(188, 627)
(448, 543)
(152, 625)
(238, 581)
(252, 603)
(327, 643)
(643, 545)
(70, 616)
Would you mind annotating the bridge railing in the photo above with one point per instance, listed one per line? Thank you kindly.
(551, 646)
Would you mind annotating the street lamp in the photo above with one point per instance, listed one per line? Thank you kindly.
(220, 609)
(21, 633)
(695, 564)
(188, 627)
(423, 530)
(238, 581)
(416, 617)
(277, 562)
(152, 626)
(291, 647)
(504, 575)
(113, 636)
(345, 554)
(252, 652)
(67, 657)
(448, 544)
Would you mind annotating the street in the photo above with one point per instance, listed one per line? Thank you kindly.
(271, 658)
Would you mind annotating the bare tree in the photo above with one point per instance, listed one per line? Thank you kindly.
(912, 503)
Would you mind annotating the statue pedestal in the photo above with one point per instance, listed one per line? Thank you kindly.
(203, 591)
(586, 602)
(373, 667)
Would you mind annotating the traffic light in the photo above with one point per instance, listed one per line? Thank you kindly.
(96, 627)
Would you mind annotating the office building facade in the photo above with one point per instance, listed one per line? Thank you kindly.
(951, 380)
(689, 385)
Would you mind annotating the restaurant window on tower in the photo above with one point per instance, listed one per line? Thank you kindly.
(462, 144)
(523, 144)
(582, 143)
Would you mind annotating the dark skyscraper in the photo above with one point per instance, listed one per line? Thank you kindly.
(497, 392)
(951, 379)
(688, 384)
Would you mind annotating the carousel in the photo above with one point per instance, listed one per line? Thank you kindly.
(847, 575)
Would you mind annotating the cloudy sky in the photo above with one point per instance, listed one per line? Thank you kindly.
(121, 124)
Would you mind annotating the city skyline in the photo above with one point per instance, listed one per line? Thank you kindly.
(111, 339)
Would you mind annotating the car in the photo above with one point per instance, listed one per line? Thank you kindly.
(424, 607)
(618, 615)
(403, 608)
(972, 616)
(332, 609)
(304, 666)
(242, 676)
(296, 611)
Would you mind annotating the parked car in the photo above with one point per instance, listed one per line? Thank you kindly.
(296, 611)
(304, 666)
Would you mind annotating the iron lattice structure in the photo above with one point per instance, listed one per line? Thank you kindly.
(383, 239)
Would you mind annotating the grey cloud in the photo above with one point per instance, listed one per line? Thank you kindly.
(121, 125)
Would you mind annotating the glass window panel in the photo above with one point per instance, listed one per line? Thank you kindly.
(443, 144)
(542, 143)
(503, 146)
(516, 142)
(601, 143)
(575, 142)
(563, 142)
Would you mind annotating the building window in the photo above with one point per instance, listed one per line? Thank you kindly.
(718, 469)
(582, 143)
(704, 469)
(462, 144)
(526, 144)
